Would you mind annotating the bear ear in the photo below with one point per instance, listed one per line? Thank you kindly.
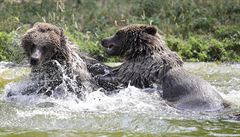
(62, 37)
(151, 30)
(61, 32)
(31, 24)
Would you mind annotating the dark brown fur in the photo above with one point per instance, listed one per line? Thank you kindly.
(148, 61)
(147, 58)
(54, 61)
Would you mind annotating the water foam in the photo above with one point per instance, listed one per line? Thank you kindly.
(130, 100)
(130, 110)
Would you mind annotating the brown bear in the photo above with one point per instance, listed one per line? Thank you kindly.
(56, 65)
(148, 62)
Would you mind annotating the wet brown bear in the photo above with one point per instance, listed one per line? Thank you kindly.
(148, 61)
(56, 66)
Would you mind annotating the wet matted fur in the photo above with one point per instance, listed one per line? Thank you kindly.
(146, 58)
(148, 62)
(55, 63)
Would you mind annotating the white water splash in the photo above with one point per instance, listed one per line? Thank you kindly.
(131, 109)
(129, 99)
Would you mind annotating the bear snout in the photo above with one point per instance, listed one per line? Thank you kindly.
(104, 43)
(108, 44)
(35, 57)
(34, 61)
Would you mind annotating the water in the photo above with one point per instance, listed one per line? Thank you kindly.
(132, 112)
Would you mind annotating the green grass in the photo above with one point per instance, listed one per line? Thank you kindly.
(197, 30)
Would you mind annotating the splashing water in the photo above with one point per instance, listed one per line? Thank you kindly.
(131, 112)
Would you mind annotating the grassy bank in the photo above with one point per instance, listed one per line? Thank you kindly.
(199, 30)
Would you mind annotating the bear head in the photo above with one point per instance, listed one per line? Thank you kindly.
(42, 41)
(131, 40)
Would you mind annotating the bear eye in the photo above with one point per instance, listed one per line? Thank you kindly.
(33, 46)
(119, 34)
(44, 48)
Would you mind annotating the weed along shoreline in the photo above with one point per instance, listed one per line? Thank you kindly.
(196, 30)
